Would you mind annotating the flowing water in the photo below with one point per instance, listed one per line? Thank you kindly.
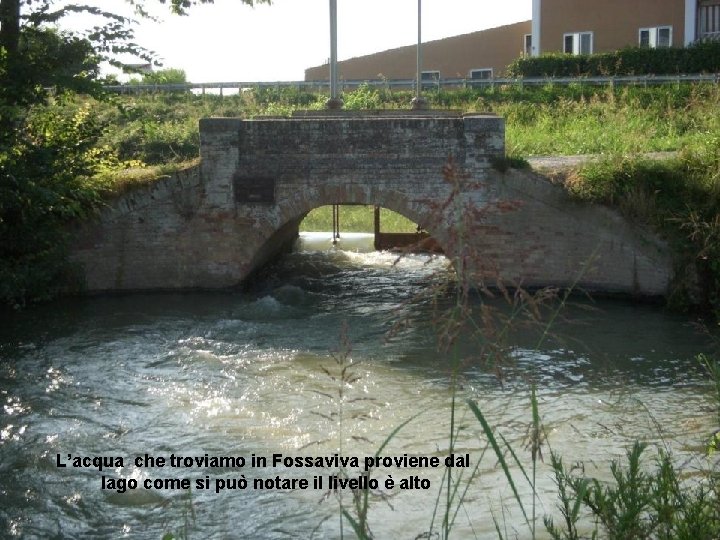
(256, 372)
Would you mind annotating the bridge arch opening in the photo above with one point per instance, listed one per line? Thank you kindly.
(403, 226)
(364, 227)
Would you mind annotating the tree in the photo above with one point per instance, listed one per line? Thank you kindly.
(115, 36)
(49, 161)
(118, 33)
(165, 76)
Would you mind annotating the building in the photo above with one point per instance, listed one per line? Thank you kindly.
(589, 26)
(480, 55)
(569, 26)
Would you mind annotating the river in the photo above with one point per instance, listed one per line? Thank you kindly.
(257, 372)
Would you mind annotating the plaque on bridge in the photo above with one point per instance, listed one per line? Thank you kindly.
(254, 189)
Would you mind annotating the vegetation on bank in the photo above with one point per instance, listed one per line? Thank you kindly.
(678, 197)
(547, 120)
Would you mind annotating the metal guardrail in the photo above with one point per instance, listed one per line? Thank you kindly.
(241, 86)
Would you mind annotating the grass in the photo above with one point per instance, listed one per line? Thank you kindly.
(622, 121)
(120, 182)
(549, 120)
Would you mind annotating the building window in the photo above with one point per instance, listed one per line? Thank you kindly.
(709, 20)
(578, 43)
(481, 74)
(478, 77)
(430, 79)
(527, 45)
(651, 38)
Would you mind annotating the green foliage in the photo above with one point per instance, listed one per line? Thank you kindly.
(180, 7)
(702, 57)
(365, 97)
(62, 61)
(162, 76)
(638, 503)
(47, 171)
(47, 59)
(590, 120)
(539, 120)
(52, 155)
(570, 501)
(642, 501)
(297, 97)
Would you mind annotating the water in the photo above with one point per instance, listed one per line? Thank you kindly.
(242, 373)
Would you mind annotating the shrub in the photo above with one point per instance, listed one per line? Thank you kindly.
(702, 57)
(47, 169)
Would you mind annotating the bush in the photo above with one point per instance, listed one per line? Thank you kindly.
(702, 57)
(47, 169)
(163, 76)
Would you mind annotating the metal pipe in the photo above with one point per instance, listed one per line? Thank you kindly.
(376, 227)
(336, 223)
(418, 103)
(419, 52)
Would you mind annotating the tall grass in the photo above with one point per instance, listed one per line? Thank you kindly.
(547, 120)
(649, 494)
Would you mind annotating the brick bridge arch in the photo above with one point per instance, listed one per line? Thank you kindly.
(212, 225)
(284, 227)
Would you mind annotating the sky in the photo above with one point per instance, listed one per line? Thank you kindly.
(229, 41)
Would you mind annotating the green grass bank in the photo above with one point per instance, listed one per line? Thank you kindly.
(547, 120)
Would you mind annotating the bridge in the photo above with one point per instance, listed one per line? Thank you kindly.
(213, 225)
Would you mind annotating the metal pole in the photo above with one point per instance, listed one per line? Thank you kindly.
(418, 102)
(376, 227)
(336, 223)
(419, 52)
(334, 102)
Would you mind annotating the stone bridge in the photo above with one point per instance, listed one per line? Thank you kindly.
(212, 225)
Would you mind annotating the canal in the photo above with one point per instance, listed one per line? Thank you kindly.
(327, 352)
